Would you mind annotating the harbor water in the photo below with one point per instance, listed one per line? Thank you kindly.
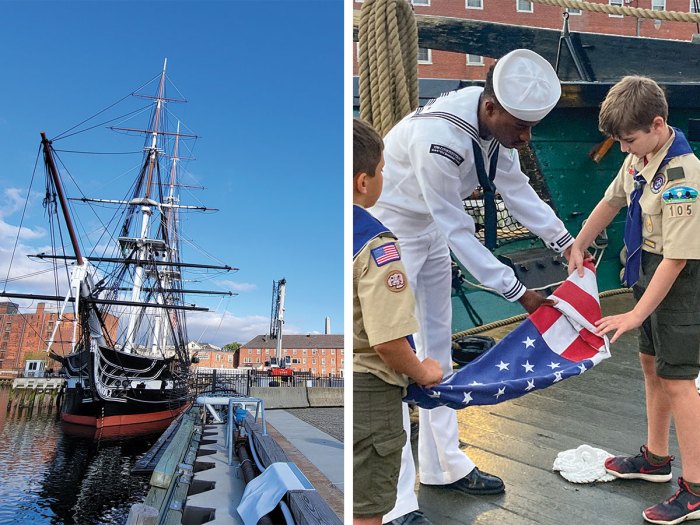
(51, 475)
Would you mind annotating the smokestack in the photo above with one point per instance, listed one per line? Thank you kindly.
(328, 325)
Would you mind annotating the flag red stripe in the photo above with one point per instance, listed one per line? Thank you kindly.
(579, 350)
(544, 317)
(581, 300)
(593, 340)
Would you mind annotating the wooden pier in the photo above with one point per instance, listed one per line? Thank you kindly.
(519, 440)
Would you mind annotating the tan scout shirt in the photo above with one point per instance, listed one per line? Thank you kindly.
(383, 309)
(670, 211)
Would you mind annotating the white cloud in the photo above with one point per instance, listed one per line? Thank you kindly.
(236, 286)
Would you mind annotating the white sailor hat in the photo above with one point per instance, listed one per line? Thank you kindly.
(526, 85)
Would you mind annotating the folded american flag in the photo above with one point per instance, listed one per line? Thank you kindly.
(553, 343)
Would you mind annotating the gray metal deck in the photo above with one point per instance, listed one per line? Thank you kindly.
(519, 440)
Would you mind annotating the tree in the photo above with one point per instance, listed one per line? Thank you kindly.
(232, 347)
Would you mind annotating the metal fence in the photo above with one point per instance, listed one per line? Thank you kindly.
(240, 381)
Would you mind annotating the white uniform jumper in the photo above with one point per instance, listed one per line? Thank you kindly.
(429, 170)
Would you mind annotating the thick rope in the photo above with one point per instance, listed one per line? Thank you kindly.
(388, 40)
(673, 16)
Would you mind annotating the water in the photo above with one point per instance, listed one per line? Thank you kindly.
(50, 477)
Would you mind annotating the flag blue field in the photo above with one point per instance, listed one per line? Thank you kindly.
(552, 344)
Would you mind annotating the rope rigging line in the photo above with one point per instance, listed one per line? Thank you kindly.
(673, 16)
(388, 58)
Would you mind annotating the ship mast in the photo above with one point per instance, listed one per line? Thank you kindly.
(168, 275)
(146, 212)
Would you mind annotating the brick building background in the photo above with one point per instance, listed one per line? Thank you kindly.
(443, 64)
(25, 335)
(211, 356)
(319, 354)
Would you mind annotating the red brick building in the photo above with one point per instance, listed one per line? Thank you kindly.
(443, 64)
(24, 336)
(210, 356)
(319, 354)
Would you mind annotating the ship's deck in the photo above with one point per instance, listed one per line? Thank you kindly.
(519, 440)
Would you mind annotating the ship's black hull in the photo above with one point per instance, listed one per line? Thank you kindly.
(108, 388)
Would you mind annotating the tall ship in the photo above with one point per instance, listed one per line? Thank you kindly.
(120, 338)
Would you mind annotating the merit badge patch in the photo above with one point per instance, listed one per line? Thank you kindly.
(447, 153)
(657, 183)
(648, 224)
(680, 195)
(386, 253)
(395, 280)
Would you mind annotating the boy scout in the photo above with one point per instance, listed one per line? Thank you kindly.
(383, 321)
(658, 182)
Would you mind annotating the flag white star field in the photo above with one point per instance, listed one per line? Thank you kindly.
(552, 344)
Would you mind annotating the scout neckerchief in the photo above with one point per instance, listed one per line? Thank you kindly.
(489, 192)
(633, 224)
(364, 228)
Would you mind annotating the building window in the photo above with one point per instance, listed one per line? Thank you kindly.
(303, 352)
(475, 60)
(323, 361)
(573, 11)
(218, 357)
(257, 351)
(617, 3)
(332, 361)
(421, 2)
(296, 361)
(474, 4)
(332, 351)
(247, 360)
(658, 5)
(694, 6)
(323, 351)
(425, 55)
(313, 361)
(230, 359)
(524, 6)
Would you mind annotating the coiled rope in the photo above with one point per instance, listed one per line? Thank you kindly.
(674, 16)
(388, 62)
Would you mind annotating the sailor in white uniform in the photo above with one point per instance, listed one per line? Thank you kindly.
(432, 157)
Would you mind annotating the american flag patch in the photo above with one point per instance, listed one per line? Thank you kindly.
(386, 253)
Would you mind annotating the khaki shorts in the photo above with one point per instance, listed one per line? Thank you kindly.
(377, 438)
(672, 332)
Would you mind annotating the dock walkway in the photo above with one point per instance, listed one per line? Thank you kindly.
(519, 440)
(317, 454)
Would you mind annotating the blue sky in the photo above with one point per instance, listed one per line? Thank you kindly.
(264, 84)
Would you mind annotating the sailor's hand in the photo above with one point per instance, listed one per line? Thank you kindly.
(432, 373)
(532, 300)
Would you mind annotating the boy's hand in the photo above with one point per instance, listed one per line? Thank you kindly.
(620, 323)
(576, 258)
(432, 373)
(531, 301)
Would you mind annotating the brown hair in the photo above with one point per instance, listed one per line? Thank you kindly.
(632, 105)
(367, 148)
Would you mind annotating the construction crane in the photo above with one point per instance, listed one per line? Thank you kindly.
(277, 361)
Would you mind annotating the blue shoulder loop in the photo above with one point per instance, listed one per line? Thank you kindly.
(679, 147)
(364, 228)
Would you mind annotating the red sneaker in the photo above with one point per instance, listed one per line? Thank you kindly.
(683, 505)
